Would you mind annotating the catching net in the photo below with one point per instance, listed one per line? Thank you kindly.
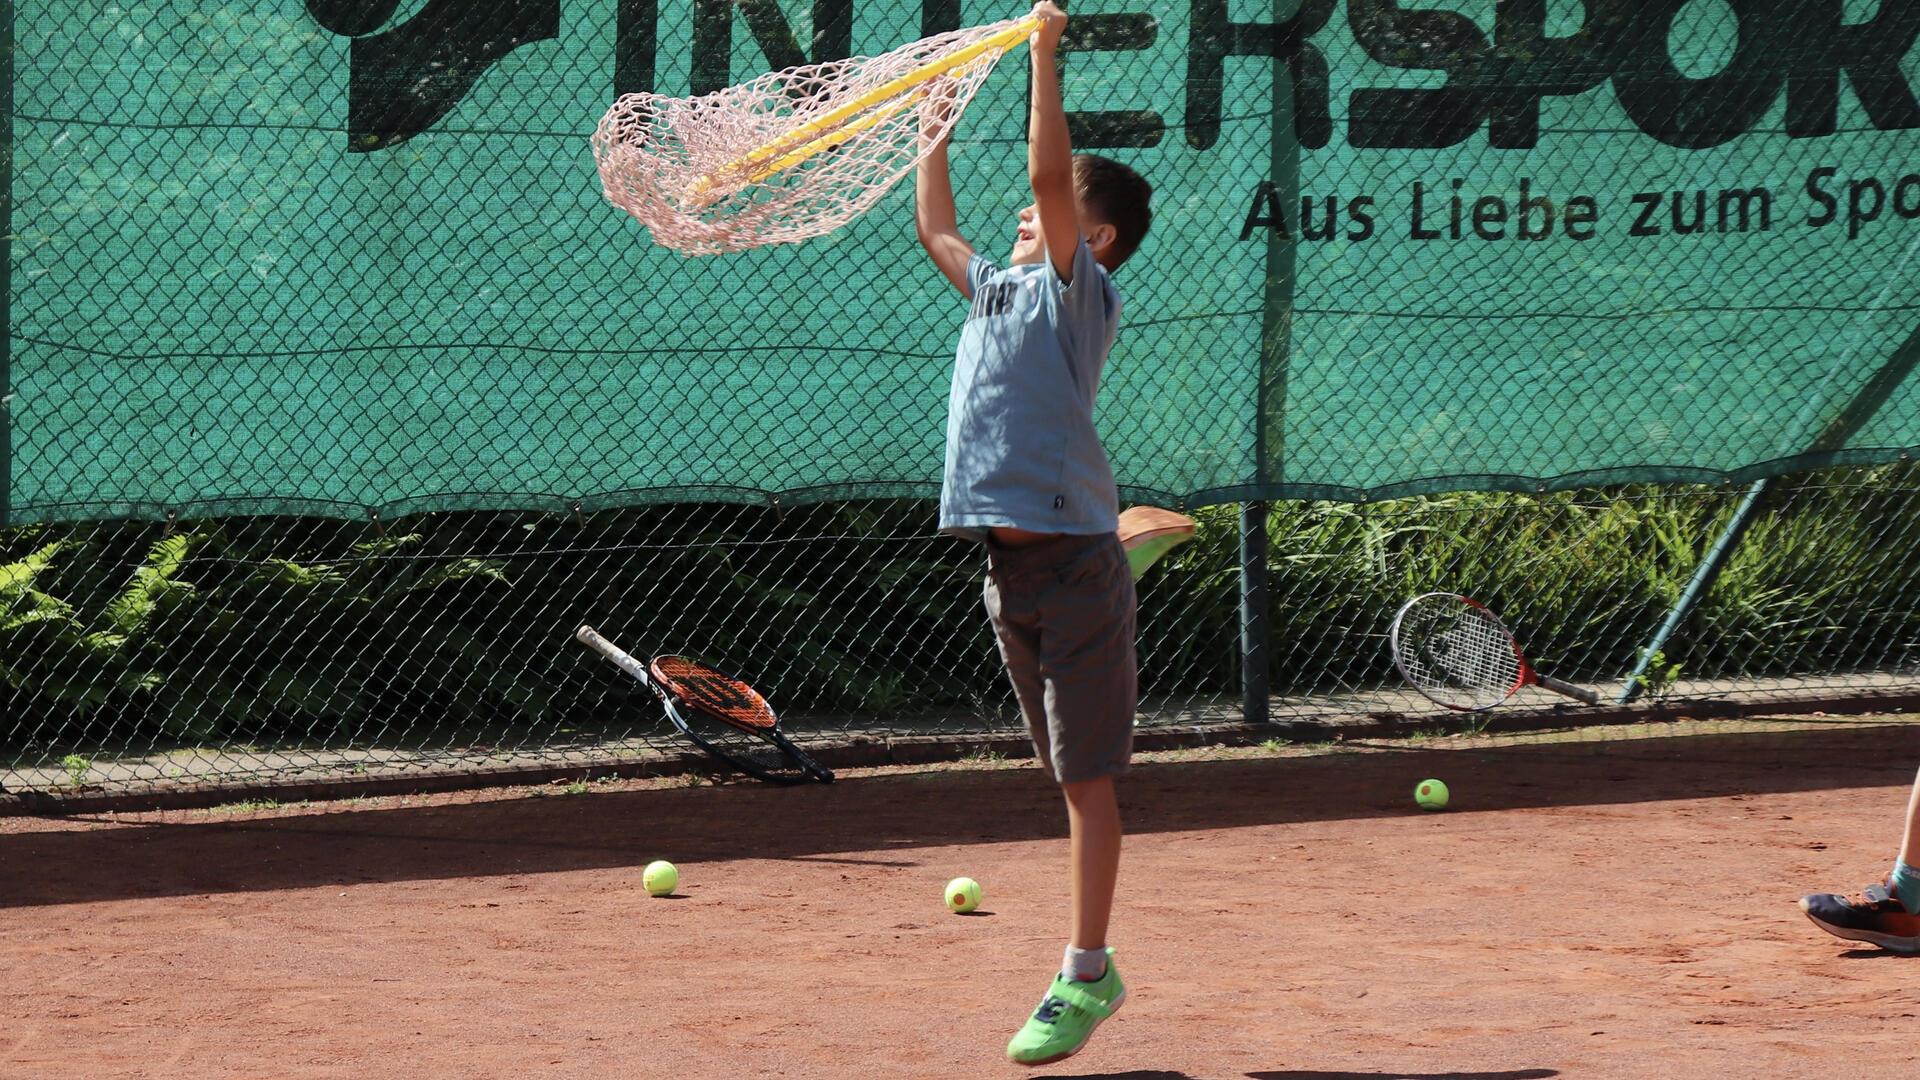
(793, 154)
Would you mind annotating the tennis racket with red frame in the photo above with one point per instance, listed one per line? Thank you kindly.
(716, 712)
(1459, 654)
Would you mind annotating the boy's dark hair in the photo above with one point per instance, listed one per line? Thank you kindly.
(1118, 196)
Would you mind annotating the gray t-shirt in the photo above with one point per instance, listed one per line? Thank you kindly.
(1021, 447)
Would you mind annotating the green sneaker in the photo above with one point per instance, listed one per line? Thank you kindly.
(1066, 1017)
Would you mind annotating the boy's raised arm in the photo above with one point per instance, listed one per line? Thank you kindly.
(934, 218)
(1050, 147)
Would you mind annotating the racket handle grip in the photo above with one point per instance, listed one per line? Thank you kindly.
(1578, 693)
(591, 638)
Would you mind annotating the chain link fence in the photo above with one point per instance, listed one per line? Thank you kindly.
(265, 651)
(335, 396)
(333, 257)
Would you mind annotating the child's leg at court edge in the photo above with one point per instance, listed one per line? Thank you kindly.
(1884, 915)
(1906, 869)
(1093, 821)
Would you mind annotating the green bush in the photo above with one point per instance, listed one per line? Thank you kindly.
(288, 629)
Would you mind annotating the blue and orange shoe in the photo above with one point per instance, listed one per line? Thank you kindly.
(1874, 916)
(1066, 1017)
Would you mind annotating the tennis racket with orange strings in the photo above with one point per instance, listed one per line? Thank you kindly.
(716, 712)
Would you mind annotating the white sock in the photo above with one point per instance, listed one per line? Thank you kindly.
(1084, 965)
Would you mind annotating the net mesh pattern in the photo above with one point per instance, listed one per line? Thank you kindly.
(337, 396)
(256, 653)
(793, 154)
(354, 259)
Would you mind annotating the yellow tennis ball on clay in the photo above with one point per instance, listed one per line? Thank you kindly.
(1431, 795)
(660, 878)
(963, 895)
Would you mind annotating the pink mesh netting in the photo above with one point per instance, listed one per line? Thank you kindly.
(793, 154)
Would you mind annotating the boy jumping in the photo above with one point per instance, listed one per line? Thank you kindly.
(1027, 477)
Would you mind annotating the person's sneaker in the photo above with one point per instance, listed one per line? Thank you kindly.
(1874, 916)
(1066, 1017)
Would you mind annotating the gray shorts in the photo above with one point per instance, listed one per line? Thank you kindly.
(1063, 612)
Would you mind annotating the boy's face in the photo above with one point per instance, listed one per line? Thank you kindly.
(1030, 244)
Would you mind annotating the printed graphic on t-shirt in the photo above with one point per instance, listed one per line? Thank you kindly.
(991, 301)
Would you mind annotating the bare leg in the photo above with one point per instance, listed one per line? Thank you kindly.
(1910, 843)
(1892, 923)
(1093, 821)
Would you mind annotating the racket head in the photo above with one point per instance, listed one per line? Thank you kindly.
(696, 697)
(709, 690)
(1456, 652)
(730, 720)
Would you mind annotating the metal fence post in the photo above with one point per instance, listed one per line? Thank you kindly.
(1276, 333)
(1833, 436)
(1253, 612)
(1703, 579)
(6, 263)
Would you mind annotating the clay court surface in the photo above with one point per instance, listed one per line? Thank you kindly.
(1588, 908)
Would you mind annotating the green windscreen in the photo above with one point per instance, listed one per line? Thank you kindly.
(345, 256)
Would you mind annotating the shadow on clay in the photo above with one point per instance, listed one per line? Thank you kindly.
(885, 819)
(1313, 1074)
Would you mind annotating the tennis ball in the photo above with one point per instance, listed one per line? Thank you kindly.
(660, 878)
(1431, 795)
(963, 895)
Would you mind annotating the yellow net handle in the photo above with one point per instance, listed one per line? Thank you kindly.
(818, 135)
(760, 170)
